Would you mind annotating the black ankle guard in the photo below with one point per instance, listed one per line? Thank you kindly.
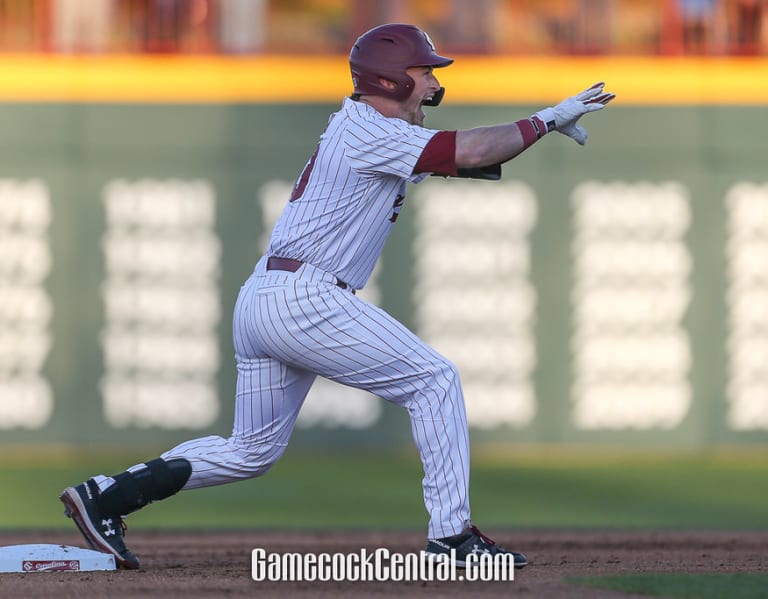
(134, 490)
(162, 479)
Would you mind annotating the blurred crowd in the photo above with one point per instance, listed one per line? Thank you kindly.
(530, 27)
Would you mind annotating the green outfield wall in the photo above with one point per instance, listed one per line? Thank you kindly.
(615, 293)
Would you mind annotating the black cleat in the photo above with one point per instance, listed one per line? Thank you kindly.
(471, 541)
(101, 531)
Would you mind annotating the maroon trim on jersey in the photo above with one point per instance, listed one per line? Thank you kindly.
(439, 155)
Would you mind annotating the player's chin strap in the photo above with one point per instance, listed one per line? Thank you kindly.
(436, 99)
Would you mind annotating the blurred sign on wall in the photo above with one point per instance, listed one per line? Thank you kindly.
(612, 293)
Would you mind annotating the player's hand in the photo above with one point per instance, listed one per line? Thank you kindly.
(566, 114)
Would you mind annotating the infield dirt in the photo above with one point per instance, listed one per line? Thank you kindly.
(217, 564)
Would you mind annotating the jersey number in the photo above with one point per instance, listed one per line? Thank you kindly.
(301, 184)
(399, 201)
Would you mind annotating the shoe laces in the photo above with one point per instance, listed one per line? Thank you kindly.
(486, 539)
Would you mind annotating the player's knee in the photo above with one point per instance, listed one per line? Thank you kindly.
(442, 382)
(258, 458)
(447, 374)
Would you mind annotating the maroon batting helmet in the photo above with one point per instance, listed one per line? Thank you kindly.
(386, 52)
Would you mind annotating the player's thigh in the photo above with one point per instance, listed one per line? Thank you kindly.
(331, 332)
(328, 331)
(391, 361)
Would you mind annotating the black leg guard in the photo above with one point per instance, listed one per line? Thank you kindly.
(134, 490)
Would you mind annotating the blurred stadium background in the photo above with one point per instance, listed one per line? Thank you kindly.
(598, 300)
(522, 27)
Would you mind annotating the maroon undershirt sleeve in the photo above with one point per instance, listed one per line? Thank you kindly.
(439, 155)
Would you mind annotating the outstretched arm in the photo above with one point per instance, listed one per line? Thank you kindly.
(484, 146)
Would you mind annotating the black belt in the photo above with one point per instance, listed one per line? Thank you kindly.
(292, 265)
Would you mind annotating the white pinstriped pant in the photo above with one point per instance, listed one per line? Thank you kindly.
(290, 327)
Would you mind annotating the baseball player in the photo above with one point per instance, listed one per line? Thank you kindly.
(297, 316)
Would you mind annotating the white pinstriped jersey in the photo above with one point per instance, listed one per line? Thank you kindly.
(290, 327)
(350, 193)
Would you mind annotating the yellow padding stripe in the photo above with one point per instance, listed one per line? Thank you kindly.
(646, 81)
(295, 79)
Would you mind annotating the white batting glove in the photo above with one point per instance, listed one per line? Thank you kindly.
(563, 117)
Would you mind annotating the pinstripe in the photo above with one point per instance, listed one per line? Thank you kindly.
(289, 328)
(362, 163)
(359, 345)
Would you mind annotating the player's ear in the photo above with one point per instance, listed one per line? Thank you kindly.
(387, 83)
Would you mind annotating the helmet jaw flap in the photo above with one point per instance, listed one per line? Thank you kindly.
(436, 99)
(385, 52)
